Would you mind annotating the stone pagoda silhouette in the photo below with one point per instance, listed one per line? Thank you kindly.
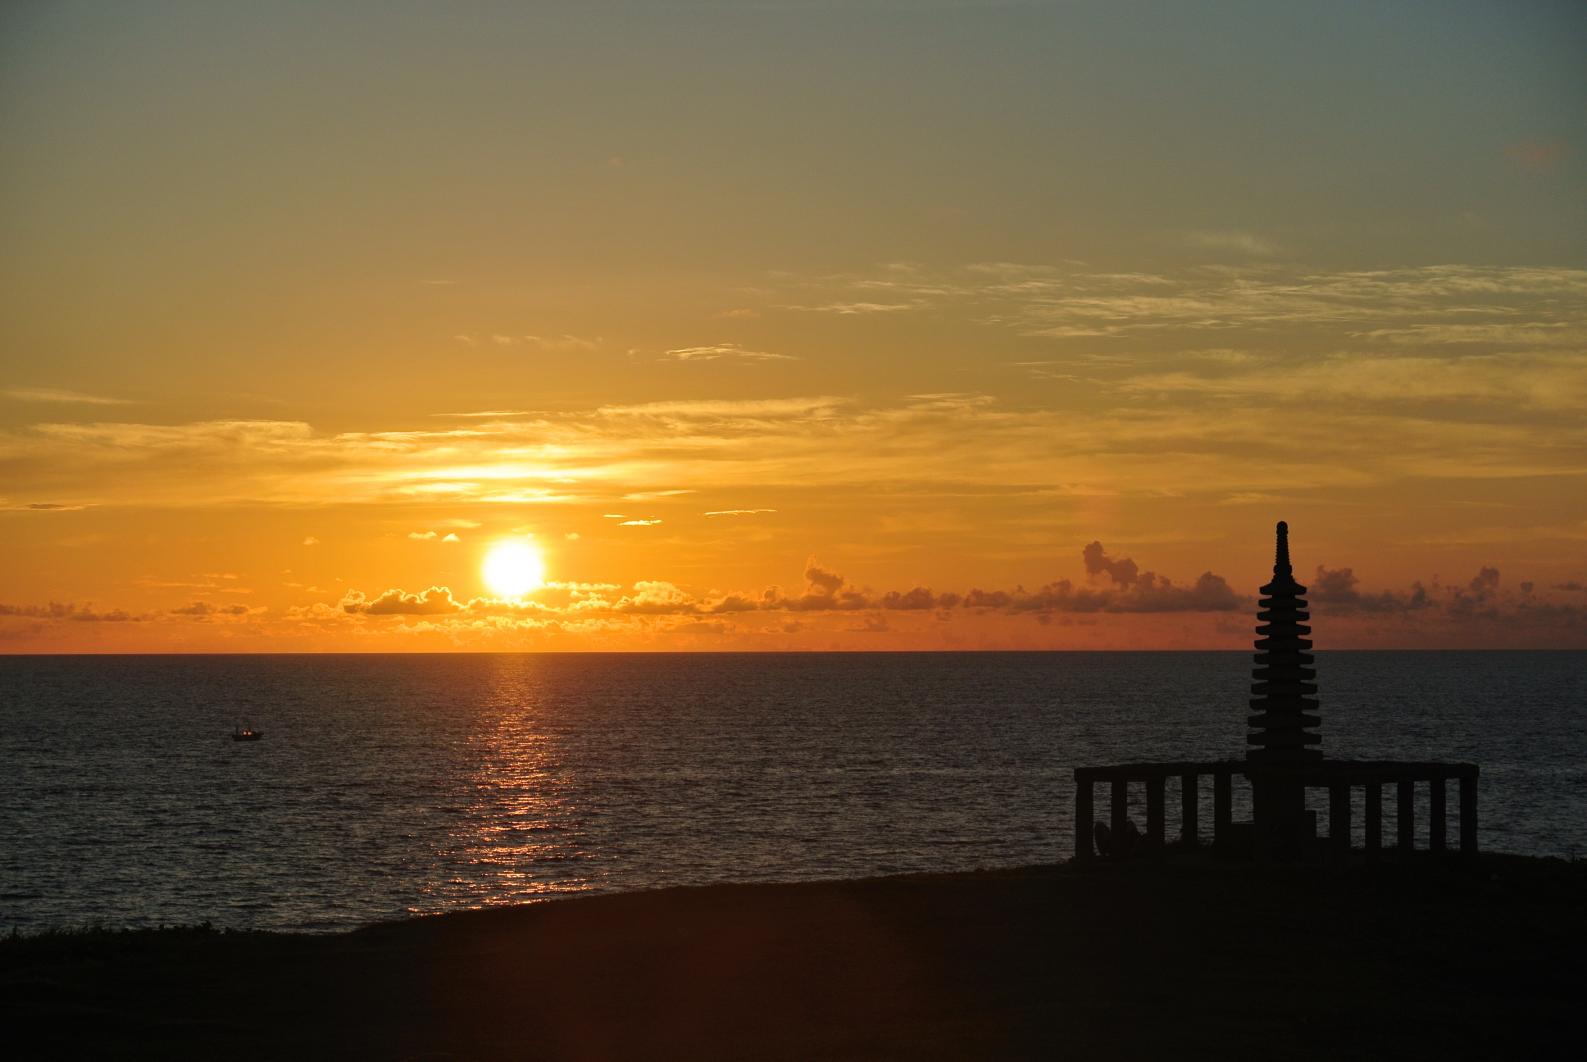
(1282, 731)
(1282, 764)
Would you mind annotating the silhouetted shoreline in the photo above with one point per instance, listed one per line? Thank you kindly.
(1194, 957)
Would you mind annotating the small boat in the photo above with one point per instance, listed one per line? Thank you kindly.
(246, 733)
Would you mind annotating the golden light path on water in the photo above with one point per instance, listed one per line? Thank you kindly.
(518, 838)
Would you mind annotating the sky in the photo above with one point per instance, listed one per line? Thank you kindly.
(790, 325)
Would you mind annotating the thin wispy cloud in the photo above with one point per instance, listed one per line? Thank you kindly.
(652, 495)
(723, 351)
(1540, 156)
(1245, 243)
(855, 309)
(61, 396)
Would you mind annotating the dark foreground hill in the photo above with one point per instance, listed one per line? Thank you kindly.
(1189, 959)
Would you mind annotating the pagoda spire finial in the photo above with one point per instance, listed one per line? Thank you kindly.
(1281, 551)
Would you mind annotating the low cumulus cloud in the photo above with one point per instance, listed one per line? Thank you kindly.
(1338, 590)
(1482, 602)
(204, 610)
(1123, 571)
(1121, 588)
(1113, 584)
(436, 601)
(71, 612)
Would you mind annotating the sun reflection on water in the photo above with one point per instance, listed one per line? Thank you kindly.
(520, 835)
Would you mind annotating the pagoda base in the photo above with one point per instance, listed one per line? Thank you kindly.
(1281, 826)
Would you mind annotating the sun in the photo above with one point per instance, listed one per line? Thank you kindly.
(513, 568)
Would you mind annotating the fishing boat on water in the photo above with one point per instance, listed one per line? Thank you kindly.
(246, 733)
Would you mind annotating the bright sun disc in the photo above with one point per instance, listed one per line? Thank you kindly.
(513, 568)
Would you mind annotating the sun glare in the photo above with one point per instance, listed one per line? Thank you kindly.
(513, 568)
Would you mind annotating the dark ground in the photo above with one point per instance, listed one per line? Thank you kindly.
(1188, 959)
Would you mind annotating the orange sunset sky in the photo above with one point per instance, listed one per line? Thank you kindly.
(878, 325)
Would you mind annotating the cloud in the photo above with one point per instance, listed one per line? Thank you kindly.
(822, 581)
(451, 536)
(1246, 243)
(1480, 608)
(423, 536)
(825, 591)
(311, 541)
(656, 598)
(751, 410)
(572, 536)
(488, 414)
(734, 603)
(717, 351)
(639, 523)
(562, 344)
(652, 495)
(1508, 333)
(852, 309)
(1478, 597)
(436, 601)
(1123, 572)
(203, 610)
(710, 627)
(1150, 593)
(1072, 302)
(52, 394)
(1381, 377)
(1335, 591)
(71, 612)
(1536, 155)
(739, 512)
(1555, 381)
(912, 600)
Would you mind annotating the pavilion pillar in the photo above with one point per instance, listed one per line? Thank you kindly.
(1435, 814)
(1339, 817)
(1407, 815)
(1083, 840)
(1154, 813)
(1468, 812)
(1222, 806)
(1374, 819)
(1188, 807)
(1121, 808)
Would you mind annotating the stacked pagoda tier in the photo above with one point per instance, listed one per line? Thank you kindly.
(1284, 693)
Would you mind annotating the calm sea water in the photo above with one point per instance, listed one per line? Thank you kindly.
(389, 785)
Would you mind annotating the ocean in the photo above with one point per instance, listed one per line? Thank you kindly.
(387, 786)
